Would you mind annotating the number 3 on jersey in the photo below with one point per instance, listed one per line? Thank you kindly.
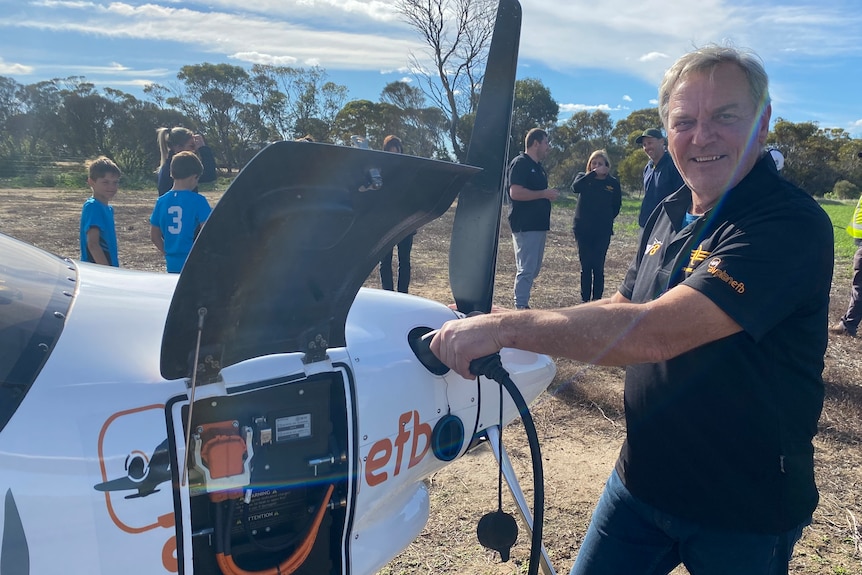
(176, 213)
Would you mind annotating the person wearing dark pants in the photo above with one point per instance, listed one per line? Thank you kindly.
(386, 278)
(393, 144)
(599, 201)
(849, 322)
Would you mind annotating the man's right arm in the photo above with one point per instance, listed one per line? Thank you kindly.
(611, 331)
(522, 194)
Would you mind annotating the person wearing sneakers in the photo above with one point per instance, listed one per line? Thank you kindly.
(529, 212)
(849, 322)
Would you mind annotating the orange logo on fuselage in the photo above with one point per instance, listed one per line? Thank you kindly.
(381, 452)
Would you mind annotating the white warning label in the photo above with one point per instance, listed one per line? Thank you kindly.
(293, 427)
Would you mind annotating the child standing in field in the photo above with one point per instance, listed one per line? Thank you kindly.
(98, 234)
(179, 213)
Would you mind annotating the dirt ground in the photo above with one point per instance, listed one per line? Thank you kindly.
(579, 420)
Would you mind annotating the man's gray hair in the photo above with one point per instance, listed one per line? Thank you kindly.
(706, 59)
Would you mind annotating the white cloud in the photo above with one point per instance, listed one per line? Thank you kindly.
(231, 33)
(369, 35)
(572, 108)
(642, 39)
(14, 69)
(653, 56)
(335, 12)
(258, 58)
(627, 98)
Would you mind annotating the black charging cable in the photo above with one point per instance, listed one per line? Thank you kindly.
(491, 366)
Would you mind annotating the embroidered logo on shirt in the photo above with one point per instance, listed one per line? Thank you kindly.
(713, 268)
(652, 249)
(697, 256)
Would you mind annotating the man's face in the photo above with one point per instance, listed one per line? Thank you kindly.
(714, 132)
(104, 187)
(542, 148)
(654, 147)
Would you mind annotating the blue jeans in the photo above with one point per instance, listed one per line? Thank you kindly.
(629, 537)
(529, 251)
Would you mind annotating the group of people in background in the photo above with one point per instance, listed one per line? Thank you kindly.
(179, 212)
(599, 203)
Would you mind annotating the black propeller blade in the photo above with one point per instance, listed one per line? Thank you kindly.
(476, 230)
(14, 550)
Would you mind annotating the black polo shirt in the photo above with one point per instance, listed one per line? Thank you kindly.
(722, 434)
(531, 215)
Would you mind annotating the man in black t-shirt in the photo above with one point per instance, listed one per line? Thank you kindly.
(529, 212)
(721, 322)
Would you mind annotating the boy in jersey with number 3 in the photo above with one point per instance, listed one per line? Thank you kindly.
(180, 213)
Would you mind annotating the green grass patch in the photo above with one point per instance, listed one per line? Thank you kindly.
(840, 214)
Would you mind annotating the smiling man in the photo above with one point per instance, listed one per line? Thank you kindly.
(721, 321)
(661, 178)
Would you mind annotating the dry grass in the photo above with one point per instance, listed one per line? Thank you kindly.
(579, 420)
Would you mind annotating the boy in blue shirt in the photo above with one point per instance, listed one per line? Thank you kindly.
(179, 213)
(98, 235)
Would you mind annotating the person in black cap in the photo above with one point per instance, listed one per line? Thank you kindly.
(661, 177)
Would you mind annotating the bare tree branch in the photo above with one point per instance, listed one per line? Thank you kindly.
(457, 34)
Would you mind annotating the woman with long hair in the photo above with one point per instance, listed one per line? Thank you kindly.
(599, 202)
(174, 140)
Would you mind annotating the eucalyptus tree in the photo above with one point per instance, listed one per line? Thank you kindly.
(371, 120)
(37, 127)
(533, 107)
(811, 154)
(214, 96)
(457, 35)
(297, 101)
(11, 108)
(420, 127)
(575, 139)
(630, 166)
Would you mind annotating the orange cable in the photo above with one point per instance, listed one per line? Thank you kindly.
(292, 563)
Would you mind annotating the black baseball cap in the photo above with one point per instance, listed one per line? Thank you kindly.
(650, 133)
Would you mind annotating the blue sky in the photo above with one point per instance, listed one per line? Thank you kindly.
(605, 54)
